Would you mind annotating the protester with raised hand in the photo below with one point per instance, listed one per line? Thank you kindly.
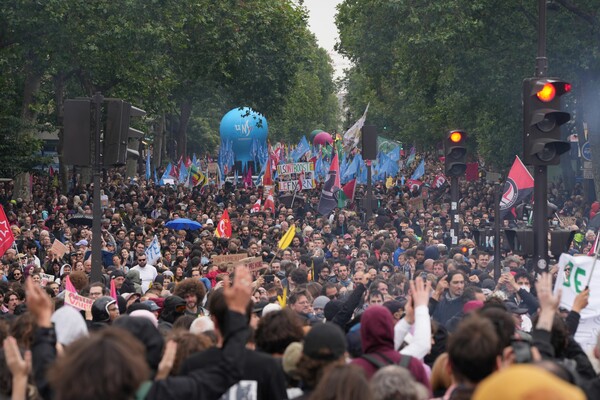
(417, 314)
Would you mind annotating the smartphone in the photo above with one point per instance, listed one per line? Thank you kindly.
(269, 278)
(522, 351)
(506, 270)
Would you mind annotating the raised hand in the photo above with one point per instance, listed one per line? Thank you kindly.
(239, 294)
(420, 290)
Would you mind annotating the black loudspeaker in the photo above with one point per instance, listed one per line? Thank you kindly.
(369, 142)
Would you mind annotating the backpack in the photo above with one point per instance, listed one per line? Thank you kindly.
(377, 362)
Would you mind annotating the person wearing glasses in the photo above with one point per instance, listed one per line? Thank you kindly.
(147, 272)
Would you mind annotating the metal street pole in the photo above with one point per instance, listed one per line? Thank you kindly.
(540, 174)
(454, 208)
(96, 275)
(369, 200)
(497, 193)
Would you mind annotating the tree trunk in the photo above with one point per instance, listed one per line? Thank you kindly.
(184, 119)
(28, 118)
(63, 171)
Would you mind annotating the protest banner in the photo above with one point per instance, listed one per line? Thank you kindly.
(228, 258)
(573, 282)
(46, 279)
(58, 248)
(78, 301)
(288, 175)
(252, 263)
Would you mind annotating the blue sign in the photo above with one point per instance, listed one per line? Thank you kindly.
(586, 151)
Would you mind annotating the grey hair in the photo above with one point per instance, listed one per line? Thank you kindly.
(395, 383)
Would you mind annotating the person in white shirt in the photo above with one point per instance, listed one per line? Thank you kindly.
(147, 272)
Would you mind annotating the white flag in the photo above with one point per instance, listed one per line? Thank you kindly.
(573, 276)
(153, 251)
(352, 135)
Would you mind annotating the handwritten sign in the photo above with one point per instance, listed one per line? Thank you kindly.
(58, 248)
(46, 279)
(289, 175)
(253, 263)
(228, 258)
(78, 301)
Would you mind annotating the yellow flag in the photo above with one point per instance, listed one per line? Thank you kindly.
(283, 299)
(286, 239)
(389, 182)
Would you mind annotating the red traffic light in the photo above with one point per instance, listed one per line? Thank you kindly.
(455, 136)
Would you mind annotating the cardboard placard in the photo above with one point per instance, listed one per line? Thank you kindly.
(46, 279)
(78, 301)
(253, 263)
(58, 248)
(228, 258)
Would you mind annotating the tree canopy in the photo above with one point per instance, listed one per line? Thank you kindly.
(185, 62)
(427, 67)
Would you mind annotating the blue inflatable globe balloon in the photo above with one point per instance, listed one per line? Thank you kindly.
(241, 126)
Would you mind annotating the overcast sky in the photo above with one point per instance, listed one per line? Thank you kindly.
(322, 23)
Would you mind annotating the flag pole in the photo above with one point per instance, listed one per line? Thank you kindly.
(596, 253)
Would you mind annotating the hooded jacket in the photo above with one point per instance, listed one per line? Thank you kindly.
(377, 337)
(133, 283)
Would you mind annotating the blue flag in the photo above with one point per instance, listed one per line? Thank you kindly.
(420, 171)
(148, 173)
(301, 149)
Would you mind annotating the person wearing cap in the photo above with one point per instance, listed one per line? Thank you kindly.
(324, 346)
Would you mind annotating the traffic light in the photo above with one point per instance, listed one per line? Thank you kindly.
(455, 152)
(77, 132)
(542, 119)
(118, 132)
(520, 241)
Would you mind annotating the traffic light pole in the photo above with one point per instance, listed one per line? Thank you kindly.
(454, 208)
(540, 172)
(369, 201)
(96, 275)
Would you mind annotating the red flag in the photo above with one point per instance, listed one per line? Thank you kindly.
(6, 236)
(224, 227)
(335, 166)
(517, 188)
(349, 189)
(270, 202)
(248, 178)
(267, 178)
(413, 184)
(113, 289)
(472, 172)
(300, 179)
(439, 181)
(256, 207)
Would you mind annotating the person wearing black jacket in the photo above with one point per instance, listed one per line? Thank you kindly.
(207, 383)
(262, 376)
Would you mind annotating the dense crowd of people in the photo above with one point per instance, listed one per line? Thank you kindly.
(354, 308)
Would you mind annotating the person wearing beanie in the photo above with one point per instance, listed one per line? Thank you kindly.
(319, 306)
(324, 345)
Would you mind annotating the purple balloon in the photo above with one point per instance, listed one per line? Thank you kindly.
(322, 139)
